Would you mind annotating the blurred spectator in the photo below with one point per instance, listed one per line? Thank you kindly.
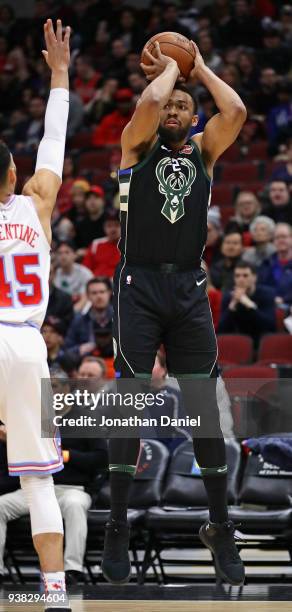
(86, 78)
(286, 23)
(117, 62)
(243, 27)
(109, 131)
(280, 206)
(96, 317)
(273, 52)
(92, 367)
(248, 71)
(129, 29)
(247, 207)
(280, 116)
(221, 272)
(205, 110)
(276, 271)
(71, 277)
(76, 114)
(283, 172)
(79, 190)
(137, 83)
(212, 251)
(64, 202)
(60, 303)
(215, 297)
(63, 229)
(170, 20)
(34, 127)
(103, 101)
(212, 59)
(265, 96)
(249, 308)
(262, 232)
(103, 255)
(92, 225)
(53, 333)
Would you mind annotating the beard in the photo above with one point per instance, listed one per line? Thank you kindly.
(173, 136)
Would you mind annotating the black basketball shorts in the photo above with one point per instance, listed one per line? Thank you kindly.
(151, 308)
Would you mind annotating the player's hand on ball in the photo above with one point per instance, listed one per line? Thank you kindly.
(158, 65)
(57, 54)
(198, 62)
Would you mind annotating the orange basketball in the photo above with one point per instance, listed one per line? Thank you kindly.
(173, 45)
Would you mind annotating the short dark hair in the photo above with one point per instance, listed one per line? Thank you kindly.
(66, 243)
(242, 265)
(5, 161)
(100, 279)
(182, 87)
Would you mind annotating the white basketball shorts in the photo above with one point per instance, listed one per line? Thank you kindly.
(23, 363)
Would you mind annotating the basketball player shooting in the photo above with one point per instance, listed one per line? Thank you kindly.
(160, 288)
(25, 236)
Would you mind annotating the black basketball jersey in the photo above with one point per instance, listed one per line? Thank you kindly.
(164, 203)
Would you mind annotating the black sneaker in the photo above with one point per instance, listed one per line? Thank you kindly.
(116, 565)
(219, 538)
(73, 577)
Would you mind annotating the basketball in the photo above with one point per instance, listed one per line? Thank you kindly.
(173, 45)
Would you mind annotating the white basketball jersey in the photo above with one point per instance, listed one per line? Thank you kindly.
(24, 263)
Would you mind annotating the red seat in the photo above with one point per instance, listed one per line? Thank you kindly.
(276, 349)
(234, 349)
(82, 140)
(254, 186)
(257, 150)
(226, 213)
(222, 195)
(232, 154)
(242, 172)
(94, 160)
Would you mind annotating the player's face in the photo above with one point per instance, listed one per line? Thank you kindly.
(177, 117)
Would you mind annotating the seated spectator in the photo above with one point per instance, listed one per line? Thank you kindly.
(280, 116)
(262, 232)
(206, 46)
(97, 315)
(283, 172)
(249, 308)
(274, 53)
(247, 207)
(93, 368)
(103, 255)
(34, 128)
(64, 202)
(276, 271)
(92, 226)
(53, 333)
(102, 103)
(248, 71)
(221, 272)
(84, 458)
(109, 131)
(60, 303)
(71, 277)
(129, 29)
(265, 97)
(171, 22)
(86, 78)
(63, 229)
(79, 190)
(212, 250)
(280, 206)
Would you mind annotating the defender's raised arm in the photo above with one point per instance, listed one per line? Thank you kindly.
(45, 183)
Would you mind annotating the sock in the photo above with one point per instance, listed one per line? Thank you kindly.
(120, 483)
(216, 489)
(54, 583)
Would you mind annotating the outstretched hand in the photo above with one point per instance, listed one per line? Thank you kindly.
(57, 54)
(158, 63)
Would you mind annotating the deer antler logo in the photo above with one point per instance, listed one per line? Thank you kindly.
(176, 186)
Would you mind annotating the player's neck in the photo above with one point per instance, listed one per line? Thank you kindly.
(4, 196)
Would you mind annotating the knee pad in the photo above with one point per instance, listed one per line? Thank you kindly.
(45, 513)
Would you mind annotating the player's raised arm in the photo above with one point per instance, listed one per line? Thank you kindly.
(163, 73)
(45, 183)
(222, 129)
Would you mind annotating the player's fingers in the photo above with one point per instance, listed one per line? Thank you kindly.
(59, 31)
(45, 54)
(67, 35)
(50, 32)
(158, 50)
(148, 69)
(150, 56)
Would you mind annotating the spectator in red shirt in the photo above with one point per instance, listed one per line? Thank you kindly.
(109, 131)
(103, 255)
(86, 78)
(64, 201)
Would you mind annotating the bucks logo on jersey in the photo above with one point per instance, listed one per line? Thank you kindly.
(175, 177)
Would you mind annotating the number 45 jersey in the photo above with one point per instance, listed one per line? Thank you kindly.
(24, 263)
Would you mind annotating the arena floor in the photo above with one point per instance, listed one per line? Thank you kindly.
(188, 598)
